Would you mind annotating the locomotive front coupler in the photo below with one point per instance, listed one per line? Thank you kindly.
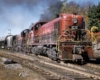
(78, 49)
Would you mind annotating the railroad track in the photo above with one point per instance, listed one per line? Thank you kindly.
(89, 67)
(93, 65)
(49, 69)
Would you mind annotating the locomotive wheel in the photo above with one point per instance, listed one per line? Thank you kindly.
(34, 50)
(52, 54)
(58, 60)
(30, 50)
(16, 49)
(37, 52)
(98, 60)
(24, 50)
(11, 49)
(85, 56)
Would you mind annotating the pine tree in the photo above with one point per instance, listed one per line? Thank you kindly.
(98, 15)
(63, 8)
(94, 16)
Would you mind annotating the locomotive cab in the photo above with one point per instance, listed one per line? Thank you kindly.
(25, 39)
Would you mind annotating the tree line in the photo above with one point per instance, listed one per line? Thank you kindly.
(94, 16)
(90, 12)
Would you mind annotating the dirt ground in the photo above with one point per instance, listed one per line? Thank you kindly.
(15, 71)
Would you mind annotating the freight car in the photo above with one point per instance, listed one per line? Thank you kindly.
(63, 38)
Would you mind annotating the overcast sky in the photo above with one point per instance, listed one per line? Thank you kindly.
(19, 14)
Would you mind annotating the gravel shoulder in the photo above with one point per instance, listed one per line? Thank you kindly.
(16, 71)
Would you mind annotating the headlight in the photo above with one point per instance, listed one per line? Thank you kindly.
(74, 20)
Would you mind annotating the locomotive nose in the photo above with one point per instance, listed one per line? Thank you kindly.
(74, 20)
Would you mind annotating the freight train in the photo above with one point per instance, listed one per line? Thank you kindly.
(63, 38)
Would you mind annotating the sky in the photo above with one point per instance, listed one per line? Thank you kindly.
(18, 15)
(84, 1)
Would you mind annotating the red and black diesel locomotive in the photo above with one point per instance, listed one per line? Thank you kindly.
(63, 38)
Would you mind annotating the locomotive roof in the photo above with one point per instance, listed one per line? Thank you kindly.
(70, 14)
(53, 21)
(34, 25)
(25, 30)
